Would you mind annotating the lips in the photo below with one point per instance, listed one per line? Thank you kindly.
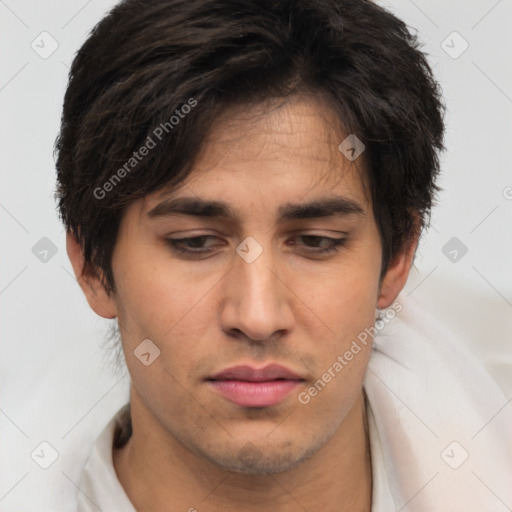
(255, 387)
(249, 374)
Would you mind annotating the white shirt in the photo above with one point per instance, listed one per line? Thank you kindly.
(99, 488)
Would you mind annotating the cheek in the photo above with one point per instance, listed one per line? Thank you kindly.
(343, 350)
(343, 298)
(335, 389)
(172, 308)
(343, 301)
(158, 298)
(161, 304)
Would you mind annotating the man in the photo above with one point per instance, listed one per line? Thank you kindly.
(244, 184)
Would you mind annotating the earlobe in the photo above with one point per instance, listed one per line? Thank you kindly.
(99, 301)
(396, 275)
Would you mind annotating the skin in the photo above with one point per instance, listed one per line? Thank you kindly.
(291, 306)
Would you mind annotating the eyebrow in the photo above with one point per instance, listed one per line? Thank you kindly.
(197, 207)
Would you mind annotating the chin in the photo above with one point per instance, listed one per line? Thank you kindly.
(251, 460)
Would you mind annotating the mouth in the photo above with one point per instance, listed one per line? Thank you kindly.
(246, 386)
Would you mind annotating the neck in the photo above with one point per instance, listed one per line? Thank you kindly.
(160, 474)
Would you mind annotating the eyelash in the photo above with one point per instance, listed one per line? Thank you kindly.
(176, 244)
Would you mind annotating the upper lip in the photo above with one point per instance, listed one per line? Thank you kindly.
(248, 373)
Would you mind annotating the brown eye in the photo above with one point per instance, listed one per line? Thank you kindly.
(321, 244)
(192, 245)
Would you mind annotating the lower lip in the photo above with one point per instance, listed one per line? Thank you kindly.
(255, 394)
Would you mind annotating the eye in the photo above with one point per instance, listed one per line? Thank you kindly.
(321, 244)
(193, 245)
(312, 244)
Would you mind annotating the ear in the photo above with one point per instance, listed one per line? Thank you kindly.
(101, 303)
(397, 273)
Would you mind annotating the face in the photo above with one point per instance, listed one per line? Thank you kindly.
(256, 279)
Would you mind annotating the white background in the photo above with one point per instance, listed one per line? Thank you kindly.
(57, 383)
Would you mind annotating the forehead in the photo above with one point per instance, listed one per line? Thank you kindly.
(283, 150)
(278, 128)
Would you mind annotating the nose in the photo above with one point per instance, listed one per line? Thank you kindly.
(256, 300)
